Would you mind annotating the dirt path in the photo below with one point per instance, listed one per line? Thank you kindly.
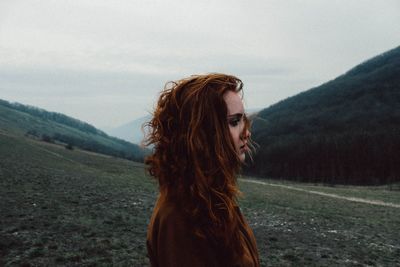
(354, 199)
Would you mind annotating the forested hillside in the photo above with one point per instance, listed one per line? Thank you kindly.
(54, 127)
(344, 131)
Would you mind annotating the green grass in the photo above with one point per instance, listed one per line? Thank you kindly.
(296, 228)
(60, 207)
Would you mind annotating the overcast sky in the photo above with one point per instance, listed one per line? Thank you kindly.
(104, 62)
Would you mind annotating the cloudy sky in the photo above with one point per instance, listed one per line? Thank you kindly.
(104, 62)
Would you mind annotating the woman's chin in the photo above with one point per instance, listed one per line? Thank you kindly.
(242, 157)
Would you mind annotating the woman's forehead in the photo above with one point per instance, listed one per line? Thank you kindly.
(233, 102)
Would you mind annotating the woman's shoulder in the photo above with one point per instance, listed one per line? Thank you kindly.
(167, 213)
(171, 239)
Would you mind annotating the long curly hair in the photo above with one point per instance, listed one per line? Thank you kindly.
(194, 157)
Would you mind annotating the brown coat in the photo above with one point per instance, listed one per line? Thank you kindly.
(172, 243)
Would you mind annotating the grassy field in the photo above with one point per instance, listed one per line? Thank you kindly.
(67, 208)
(296, 228)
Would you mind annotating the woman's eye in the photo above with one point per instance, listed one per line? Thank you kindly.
(234, 122)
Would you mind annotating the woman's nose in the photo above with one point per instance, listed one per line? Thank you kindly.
(245, 134)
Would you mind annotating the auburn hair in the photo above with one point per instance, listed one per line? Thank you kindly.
(194, 157)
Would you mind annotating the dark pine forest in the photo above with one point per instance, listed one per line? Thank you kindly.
(346, 131)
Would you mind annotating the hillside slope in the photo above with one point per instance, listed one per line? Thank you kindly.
(64, 207)
(344, 131)
(55, 127)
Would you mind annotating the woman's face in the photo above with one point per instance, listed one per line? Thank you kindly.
(236, 122)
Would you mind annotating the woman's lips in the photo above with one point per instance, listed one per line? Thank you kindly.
(244, 148)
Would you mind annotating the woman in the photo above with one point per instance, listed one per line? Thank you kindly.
(200, 135)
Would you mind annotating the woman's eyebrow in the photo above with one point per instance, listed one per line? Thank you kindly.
(236, 115)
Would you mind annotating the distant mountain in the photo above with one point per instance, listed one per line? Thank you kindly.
(344, 131)
(19, 119)
(131, 131)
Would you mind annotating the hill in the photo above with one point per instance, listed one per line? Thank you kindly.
(131, 131)
(63, 207)
(344, 131)
(48, 126)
